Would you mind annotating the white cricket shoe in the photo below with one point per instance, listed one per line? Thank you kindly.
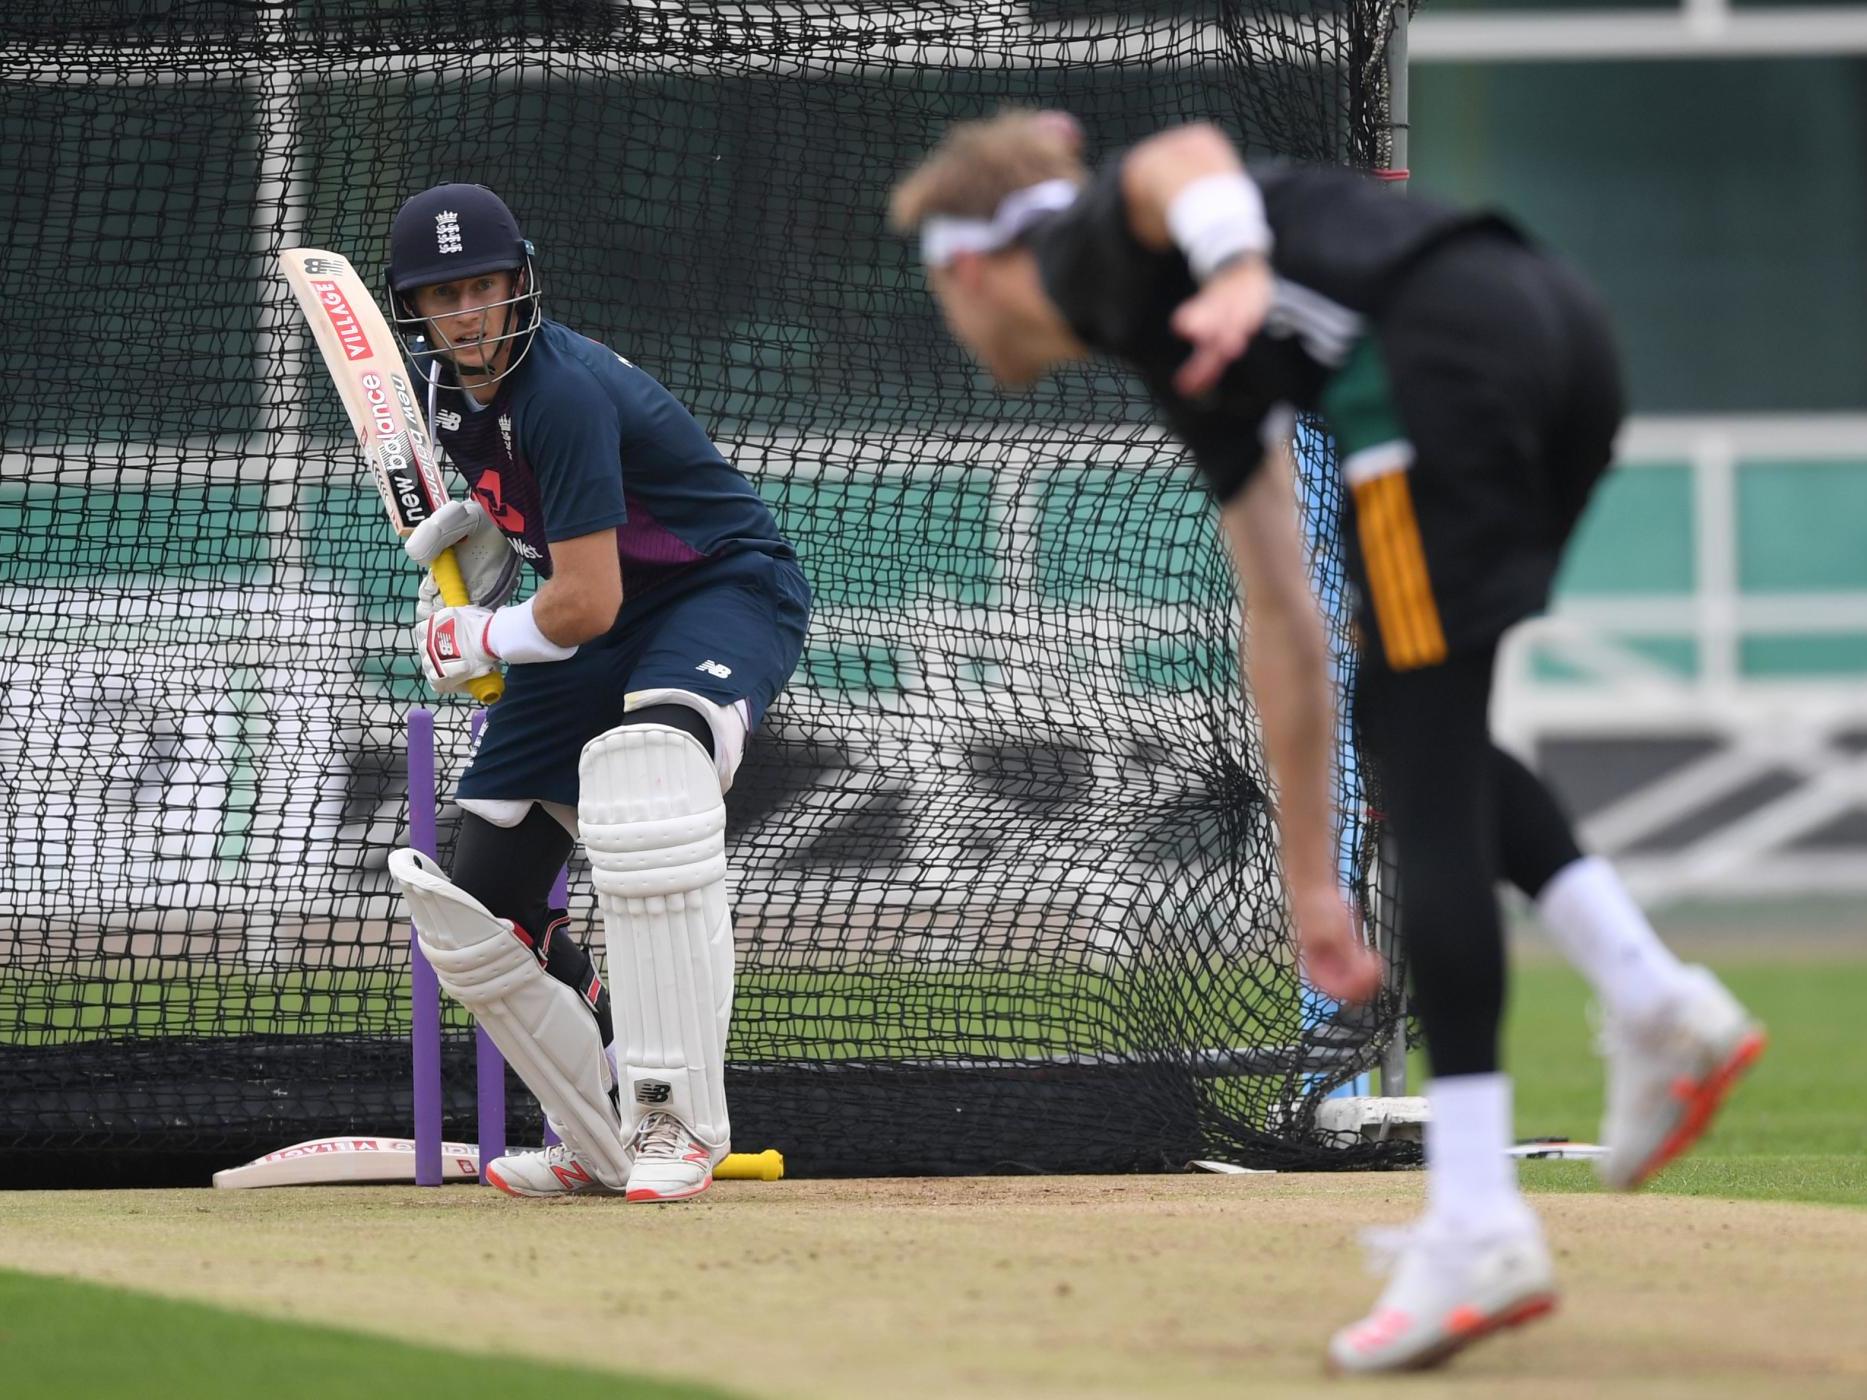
(1668, 1075)
(671, 1164)
(1448, 1290)
(553, 1171)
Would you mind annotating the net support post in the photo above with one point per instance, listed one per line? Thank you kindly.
(1399, 170)
(1387, 921)
(424, 990)
(1399, 120)
(1318, 504)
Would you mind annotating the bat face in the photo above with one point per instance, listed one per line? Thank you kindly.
(361, 354)
(398, 450)
(366, 365)
(327, 275)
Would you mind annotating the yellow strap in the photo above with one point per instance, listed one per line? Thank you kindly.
(1395, 557)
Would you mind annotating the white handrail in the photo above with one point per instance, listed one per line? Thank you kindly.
(1770, 768)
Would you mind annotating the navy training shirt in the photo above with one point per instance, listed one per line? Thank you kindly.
(578, 440)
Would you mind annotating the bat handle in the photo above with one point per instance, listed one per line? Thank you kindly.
(446, 570)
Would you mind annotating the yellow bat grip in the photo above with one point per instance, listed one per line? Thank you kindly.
(446, 570)
(751, 1166)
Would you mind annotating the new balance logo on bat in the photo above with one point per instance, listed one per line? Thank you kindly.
(377, 397)
(447, 231)
(714, 669)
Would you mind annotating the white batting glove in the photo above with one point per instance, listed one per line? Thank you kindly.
(487, 563)
(453, 647)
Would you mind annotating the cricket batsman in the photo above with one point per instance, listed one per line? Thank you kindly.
(671, 612)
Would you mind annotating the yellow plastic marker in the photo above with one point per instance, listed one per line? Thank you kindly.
(751, 1166)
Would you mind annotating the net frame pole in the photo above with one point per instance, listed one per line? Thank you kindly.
(1395, 60)
(275, 219)
(424, 988)
(1394, 1058)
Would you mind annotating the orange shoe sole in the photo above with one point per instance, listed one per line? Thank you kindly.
(642, 1196)
(1472, 1328)
(493, 1178)
(1702, 1100)
(1466, 1327)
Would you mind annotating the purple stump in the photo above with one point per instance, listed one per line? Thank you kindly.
(560, 899)
(424, 991)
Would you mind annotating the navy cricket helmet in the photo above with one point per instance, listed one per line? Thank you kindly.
(452, 232)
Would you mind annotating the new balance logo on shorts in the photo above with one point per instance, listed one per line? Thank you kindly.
(652, 1091)
(715, 670)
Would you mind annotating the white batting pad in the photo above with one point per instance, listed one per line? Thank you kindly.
(540, 1025)
(655, 831)
(730, 724)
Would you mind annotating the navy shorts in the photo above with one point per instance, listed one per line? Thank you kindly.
(730, 631)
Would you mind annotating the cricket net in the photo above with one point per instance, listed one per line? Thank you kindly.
(1004, 864)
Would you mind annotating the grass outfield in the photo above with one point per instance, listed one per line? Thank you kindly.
(1794, 1130)
(74, 1340)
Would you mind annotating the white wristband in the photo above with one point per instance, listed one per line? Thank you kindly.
(513, 637)
(1218, 218)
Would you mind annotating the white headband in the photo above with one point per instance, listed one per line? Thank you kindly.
(944, 238)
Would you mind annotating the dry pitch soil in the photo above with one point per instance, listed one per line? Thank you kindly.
(1095, 1286)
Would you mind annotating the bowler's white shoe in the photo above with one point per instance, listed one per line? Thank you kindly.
(1448, 1290)
(554, 1171)
(671, 1164)
(1667, 1076)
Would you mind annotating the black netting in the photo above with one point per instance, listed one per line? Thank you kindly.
(1002, 853)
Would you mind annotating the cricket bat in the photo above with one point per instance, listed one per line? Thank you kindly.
(366, 1160)
(362, 356)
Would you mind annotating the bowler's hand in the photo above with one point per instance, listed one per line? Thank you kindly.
(1219, 321)
(1335, 960)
